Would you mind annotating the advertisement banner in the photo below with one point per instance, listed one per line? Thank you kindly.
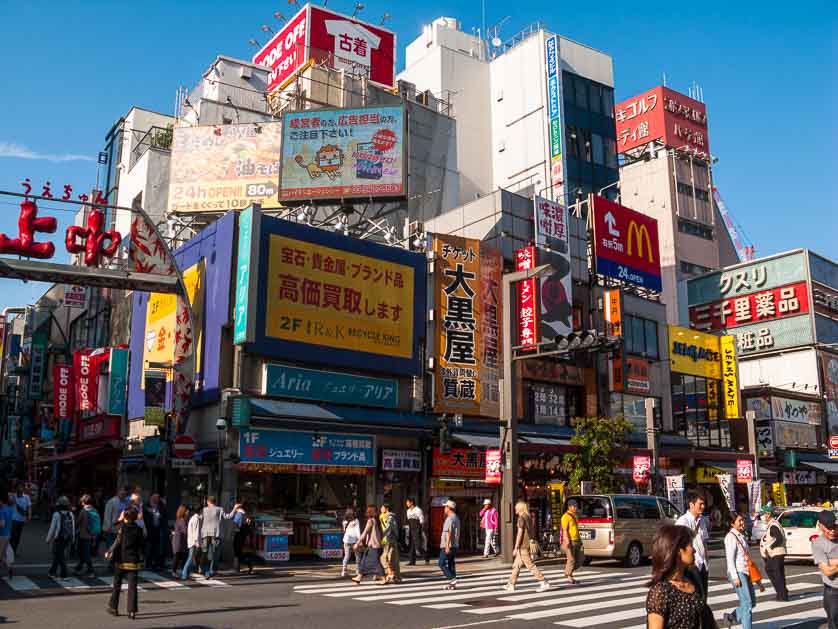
(557, 492)
(285, 53)
(527, 312)
(833, 447)
(695, 353)
(154, 384)
(215, 168)
(768, 305)
(458, 325)
(730, 382)
(491, 345)
(62, 391)
(494, 465)
(87, 381)
(641, 469)
(755, 496)
(725, 484)
(555, 115)
(636, 373)
(37, 364)
(675, 491)
(552, 238)
(801, 411)
(243, 279)
(401, 460)
(613, 313)
(744, 471)
(117, 382)
(329, 386)
(335, 154)
(306, 448)
(626, 244)
(829, 369)
(75, 296)
(459, 463)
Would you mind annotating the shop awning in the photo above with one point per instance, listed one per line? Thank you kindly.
(331, 417)
(75, 454)
(545, 441)
(829, 468)
(474, 440)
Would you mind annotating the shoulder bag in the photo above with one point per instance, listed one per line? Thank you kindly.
(753, 572)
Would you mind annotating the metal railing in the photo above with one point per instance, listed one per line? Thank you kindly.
(156, 137)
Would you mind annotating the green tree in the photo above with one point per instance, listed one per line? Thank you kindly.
(602, 446)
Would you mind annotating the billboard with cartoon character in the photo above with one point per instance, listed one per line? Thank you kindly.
(328, 155)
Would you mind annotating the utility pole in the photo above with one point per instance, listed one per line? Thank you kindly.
(750, 420)
(652, 440)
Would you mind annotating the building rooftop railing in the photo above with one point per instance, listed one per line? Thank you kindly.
(156, 137)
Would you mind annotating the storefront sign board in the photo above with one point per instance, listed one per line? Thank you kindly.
(557, 492)
(744, 471)
(694, 353)
(800, 477)
(493, 466)
(778, 494)
(641, 469)
(460, 463)
(401, 460)
(800, 411)
(306, 448)
(730, 383)
(329, 386)
(675, 490)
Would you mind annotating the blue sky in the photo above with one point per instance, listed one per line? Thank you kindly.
(767, 69)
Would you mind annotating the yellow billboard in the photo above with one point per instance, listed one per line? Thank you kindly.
(730, 383)
(694, 353)
(339, 299)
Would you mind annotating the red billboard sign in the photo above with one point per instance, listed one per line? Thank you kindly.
(86, 381)
(493, 466)
(662, 114)
(767, 305)
(527, 315)
(319, 34)
(459, 463)
(744, 471)
(62, 391)
(641, 469)
(626, 244)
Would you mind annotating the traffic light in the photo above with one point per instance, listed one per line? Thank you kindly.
(444, 436)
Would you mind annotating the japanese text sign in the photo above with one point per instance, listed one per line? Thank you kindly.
(552, 238)
(744, 471)
(801, 411)
(637, 375)
(766, 305)
(333, 154)
(460, 463)
(527, 310)
(285, 53)
(730, 380)
(662, 114)
(626, 244)
(306, 448)
(549, 403)
(244, 279)
(491, 352)
(329, 386)
(117, 381)
(87, 381)
(641, 469)
(493, 466)
(215, 168)
(62, 391)
(38, 361)
(554, 111)
(695, 353)
(773, 335)
(401, 460)
(551, 228)
(613, 313)
(829, 367)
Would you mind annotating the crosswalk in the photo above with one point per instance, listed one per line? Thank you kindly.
(604, 598)
(41, 585)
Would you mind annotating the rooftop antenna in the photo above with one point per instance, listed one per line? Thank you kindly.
(664, 79)
(359, 6)
(385, 18)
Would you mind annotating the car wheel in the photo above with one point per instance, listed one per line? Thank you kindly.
(634, 556)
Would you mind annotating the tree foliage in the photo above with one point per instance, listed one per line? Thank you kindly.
(602, 446)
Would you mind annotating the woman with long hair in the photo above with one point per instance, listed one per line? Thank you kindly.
(179, 547)
(674, 600)
(351, 534)
(370, 544)
(738, 556)
(127, 556)
(521, 550)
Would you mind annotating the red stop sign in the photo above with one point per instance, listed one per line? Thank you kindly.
(833, 442)
(183, 447)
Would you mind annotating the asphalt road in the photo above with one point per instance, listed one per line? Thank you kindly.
(608, 597)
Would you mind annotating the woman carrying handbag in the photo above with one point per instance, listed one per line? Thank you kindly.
(370, 545)
(126, 554)
(741, 572)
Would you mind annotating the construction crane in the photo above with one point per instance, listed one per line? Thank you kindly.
(746, 252)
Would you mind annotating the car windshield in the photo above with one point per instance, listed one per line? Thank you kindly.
(799, 519)
(592, 507)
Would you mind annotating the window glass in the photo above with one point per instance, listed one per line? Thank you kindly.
(586, 144)
(669, 509)
(581, 89)
(596, 98)
(608, 101)
(648, 508)
(610, 152)
(593, 507)
(651, 338)
(572, 141)
(625, 508)
(598, 149)
(637, 336)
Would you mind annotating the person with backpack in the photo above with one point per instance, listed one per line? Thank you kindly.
(89, 526)
(244, 529)
(62, 530)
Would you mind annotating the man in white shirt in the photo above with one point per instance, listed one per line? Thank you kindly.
(692, 519)
(416, 524)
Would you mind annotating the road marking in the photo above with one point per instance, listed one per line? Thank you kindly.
(71, 583)
(161, 581)
(446, 605)
(21, 584)
(212, 582)
(812, 614)
(108, 580)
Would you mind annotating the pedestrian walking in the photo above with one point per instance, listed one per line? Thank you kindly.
(489, 522)
(693, 519)
(571, 542)
(738, 573)
(154, 516)
(243, 539)
(448, 544)
(62, 530)
(351, 534)
(825, 556)
(211, 518)
(390, 559)
(22, 514)
(113, 509)
(193, 544)
(772, 549)
(370, 545)
(675, 599)
(6, 520)
(89, 526)
(179, 540)
(127, 557)
(522, 551)
(416, 531)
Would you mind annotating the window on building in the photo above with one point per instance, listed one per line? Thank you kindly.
(608, 101)
(581, 89)
(572, 141)
(697, 412)
(690, 268)
(695, 229)
(610, 153)
(685, 188)
(640, 336)
(598, 149)
(587, 144)
(702, 195)
(596, 98)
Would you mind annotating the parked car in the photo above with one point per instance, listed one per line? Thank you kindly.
(622, 526)
(801, 527)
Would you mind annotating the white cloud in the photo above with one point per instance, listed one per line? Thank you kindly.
(9, 149)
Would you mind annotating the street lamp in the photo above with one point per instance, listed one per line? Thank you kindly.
(221, 432)
(509, 422)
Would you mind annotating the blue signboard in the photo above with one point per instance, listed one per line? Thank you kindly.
(306, 448)
(243, 276)
(328, 386)
(117, 382)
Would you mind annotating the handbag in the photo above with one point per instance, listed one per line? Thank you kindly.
(753, 572)
(535, 549)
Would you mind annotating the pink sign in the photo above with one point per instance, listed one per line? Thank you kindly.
(493, 466)
(527, 322)
(642, 469)
(744, 471)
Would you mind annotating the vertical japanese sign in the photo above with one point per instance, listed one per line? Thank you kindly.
(86, 380)
(240, 327)
(491, 355)
(553, 241)
(527, 315)
(458, 323)
(493, 466)
(778, 494)
(727, 490)
(62, 391)
(612, 302)
(154, 383)
(557, 491)
(755, 496)
(38, 359)
(117, 382)
(554, 111)
(744, 471)
(730, 383)
(829, 370)
(675, 491)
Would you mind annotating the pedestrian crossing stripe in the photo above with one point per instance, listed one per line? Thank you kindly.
(147, 581)
(602, 599)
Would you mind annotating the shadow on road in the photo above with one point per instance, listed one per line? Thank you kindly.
(218, 610)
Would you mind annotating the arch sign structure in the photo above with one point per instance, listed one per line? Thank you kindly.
(140, 260)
